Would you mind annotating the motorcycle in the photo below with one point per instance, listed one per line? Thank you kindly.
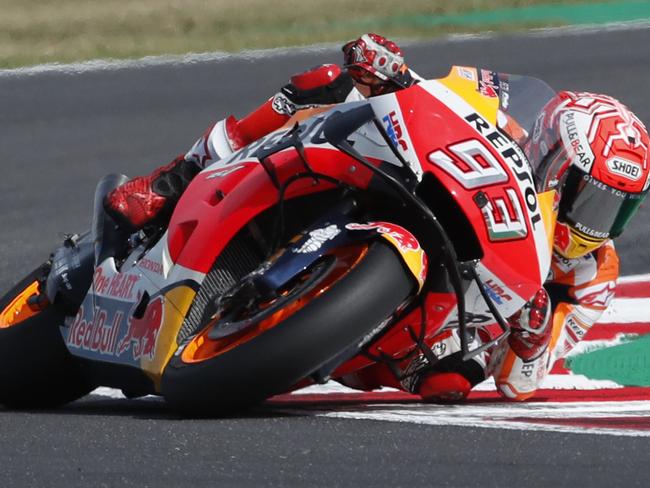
(350, 239)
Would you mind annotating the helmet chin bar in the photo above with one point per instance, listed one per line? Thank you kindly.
(570, 244)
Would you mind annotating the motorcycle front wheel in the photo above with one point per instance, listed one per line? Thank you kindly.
(256, 347)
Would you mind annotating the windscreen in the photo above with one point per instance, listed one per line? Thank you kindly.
(522, 98)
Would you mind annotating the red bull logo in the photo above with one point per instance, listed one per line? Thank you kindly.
(404, 241)
(96, 332)
(141, 334)
(561, 237)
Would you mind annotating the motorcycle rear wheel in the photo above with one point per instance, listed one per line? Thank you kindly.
(295, 346)
(36, 369)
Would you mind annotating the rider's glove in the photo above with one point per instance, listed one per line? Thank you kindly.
(322, 85)
(531, 327)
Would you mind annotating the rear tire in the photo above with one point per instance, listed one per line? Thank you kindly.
(36, 368)
(274, 361)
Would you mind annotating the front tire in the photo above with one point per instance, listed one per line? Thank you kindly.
(36, 368)
(276, 359)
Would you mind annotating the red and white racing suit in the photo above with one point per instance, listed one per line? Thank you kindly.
(580, 289)
(229, 135)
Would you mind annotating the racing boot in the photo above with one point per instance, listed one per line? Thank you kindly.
(450, 379)
(520, 364)
(149, 200)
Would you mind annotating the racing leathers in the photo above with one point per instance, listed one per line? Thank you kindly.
(290, 104)
(580, 291)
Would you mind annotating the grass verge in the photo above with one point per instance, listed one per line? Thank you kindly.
(41, 31)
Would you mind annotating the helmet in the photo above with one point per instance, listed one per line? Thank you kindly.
(377, 62)
(594, 150)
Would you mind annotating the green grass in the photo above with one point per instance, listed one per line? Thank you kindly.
(41, 31)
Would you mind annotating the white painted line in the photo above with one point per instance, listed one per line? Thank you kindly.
(163, 60)
(638, 278)
(627, 310)
(512, 416)
(554, 382)
(220, 56)
(560, 382)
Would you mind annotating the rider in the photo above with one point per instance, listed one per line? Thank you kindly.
(590, 147)
(373, 66)
(594, 151)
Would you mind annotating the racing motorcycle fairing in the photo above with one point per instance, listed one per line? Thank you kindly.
(447, 129)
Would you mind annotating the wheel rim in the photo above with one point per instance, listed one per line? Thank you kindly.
(19, 308)
(203, 347)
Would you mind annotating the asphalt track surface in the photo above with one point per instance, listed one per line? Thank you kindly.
(60, 132)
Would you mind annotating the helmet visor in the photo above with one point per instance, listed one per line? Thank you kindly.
(595, 210)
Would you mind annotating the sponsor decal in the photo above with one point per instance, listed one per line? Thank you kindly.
(282, 105)
(496, 292)
(604, 187)
(504, 90)
(575, 330)
(141, 333)
(150, 265)
(96, 335)
(626, 169)
(408, 245)
(562, 238)
(597, 296)
(504, 217)
(403, 238)
(473, 166)
(516, 161)
(317, 238)
(488, 84)
(309, 132)
(120, 286)
(566, 265)
(223, 172)
(102, 331)
(574, 136)
(591, 232)
(533, 368)
(394, 130)
(199, 152)
(467, 73)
